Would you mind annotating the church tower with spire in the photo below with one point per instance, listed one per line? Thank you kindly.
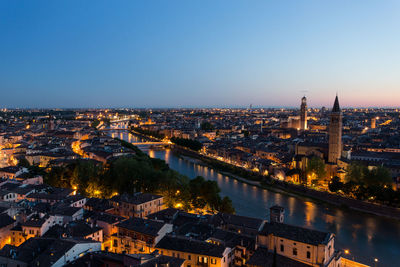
(335, 133)
(303, 114)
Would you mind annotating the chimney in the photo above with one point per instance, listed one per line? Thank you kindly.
(276, 214)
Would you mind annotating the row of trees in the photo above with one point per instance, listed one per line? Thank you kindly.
(207, 126)
(316, 170)
(189, 143)
(155, 134)
(96, 122)
(140, 173)
(363, 183)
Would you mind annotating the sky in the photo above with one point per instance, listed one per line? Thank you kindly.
(192, 53)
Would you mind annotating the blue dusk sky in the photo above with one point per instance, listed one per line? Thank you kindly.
(188, 53)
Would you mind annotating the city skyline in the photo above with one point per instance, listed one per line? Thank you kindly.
(210, 133)
(208, 54)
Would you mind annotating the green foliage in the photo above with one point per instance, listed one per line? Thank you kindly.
(130, 146)
(372, 184)
(155, 134)
(192, 144)
(379, 176)
(206, 126)
(23, 162)
(139, 173)
(335, 184)
(206, 193)
(355, 173)
(95, 123)
(35, 170)
(350, 188)
(107, 121)
(316, 166)
(226, 205)
(361, 174)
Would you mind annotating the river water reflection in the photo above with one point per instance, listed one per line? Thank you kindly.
(366, 236)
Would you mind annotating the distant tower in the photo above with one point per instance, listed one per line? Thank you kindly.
(373, 123)
(50, 124)
(276, 214)
(335, 133)
(303, 114)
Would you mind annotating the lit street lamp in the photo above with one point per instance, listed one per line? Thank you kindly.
(346, 252)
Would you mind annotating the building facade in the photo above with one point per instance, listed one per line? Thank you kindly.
(138, 205)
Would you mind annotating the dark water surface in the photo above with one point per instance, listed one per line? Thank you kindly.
(366, 236)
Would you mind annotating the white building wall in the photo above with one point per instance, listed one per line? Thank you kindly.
(75, 251)
(167, 228)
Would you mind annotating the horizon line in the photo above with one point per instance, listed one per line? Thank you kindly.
(194, 107)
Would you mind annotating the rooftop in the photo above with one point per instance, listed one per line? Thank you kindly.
(190, 246)
(145, 226)
(296, 233)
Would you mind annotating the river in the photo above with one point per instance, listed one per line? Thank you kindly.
(366, 236)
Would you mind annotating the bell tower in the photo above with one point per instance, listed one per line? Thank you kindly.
(303, 114)
(335, 133)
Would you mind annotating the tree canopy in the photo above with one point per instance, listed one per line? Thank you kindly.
(373, 176)
(367, 183)
(316, 169)
(206, 126)
(140, 173)
(192, 144)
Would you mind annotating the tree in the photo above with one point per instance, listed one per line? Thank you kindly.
(206, 126)
(379, 176)
(189, 143)
(195, 187)
(335, 184)
(355, 172)
(362, 175)
(23, 162)
(205, 195)
(316, 169)
(136, 173)
(95, 123)
(350, 188)
(210, 193)
(226, 206)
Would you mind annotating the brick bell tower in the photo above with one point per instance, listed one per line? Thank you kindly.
(335, 133)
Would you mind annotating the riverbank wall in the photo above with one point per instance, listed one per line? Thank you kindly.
(322, 196)
(372, 208)
(143, 136)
